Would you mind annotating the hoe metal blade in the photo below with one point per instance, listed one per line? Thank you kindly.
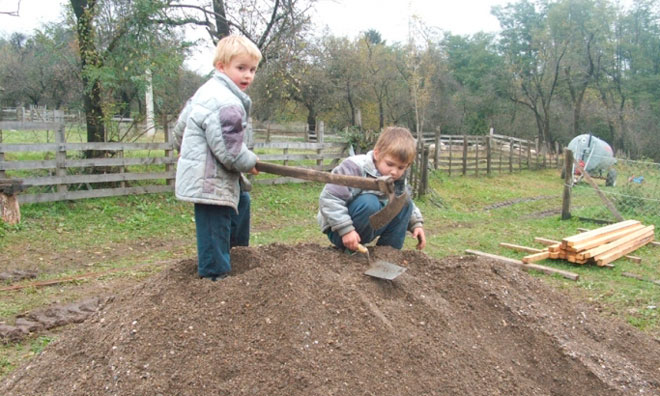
(384, 270)
(381, 218)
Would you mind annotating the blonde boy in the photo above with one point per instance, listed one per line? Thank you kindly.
(211, 131)
(344, 211)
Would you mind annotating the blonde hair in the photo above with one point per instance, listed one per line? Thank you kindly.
(397, 142)
(233, 45)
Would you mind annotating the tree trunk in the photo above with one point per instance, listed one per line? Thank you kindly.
(221, 24)
(89, 59)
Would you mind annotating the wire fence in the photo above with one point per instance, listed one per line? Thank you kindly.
(635, 192)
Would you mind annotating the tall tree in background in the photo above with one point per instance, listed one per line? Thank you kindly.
(90, 61)
(534, 53)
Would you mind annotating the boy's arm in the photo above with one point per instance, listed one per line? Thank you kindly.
(225, 135)
(334, 199)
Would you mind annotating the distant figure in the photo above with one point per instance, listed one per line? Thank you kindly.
(213, 155)
(344, 211)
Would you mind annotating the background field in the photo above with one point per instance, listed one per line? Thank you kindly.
(124, 240)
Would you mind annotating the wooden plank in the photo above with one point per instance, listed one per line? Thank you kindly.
(639, 277)
(642, 233)
(545, 241)
(621, 251)
(89, 162)
(299, 145)
(100, 193)
(606, 237)
(29, 125)
(520, 248)
(526, 267)
(572, 240)
(110, 146)
(100, 178)
(536, 257)
(634, 259)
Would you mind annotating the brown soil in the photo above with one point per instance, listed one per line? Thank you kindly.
(303, 320)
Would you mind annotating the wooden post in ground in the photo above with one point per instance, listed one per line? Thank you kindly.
(476, 156)
(169, 153)
(451, 150)
(436, 154)
(489, 155)
(60, 158)
(465, 151)
(568, 183)
(510, 155)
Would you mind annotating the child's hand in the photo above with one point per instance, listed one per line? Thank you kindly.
(351, 240)
(421, 237)
(253, 171)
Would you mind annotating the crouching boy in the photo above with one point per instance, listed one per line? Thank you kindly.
(344, 211)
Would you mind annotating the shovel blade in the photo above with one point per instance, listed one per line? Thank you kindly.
(383, 217)
(384, 270)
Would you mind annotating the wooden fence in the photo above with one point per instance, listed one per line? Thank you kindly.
(59, 170)
(487, 154)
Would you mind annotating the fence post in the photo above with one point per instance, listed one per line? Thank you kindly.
(424, 172)
(320, 132)
(529, 157)
(568, 183)
(476, 155)
(451, 150)
(465, 143)
(169, 153)
(60, 158)
(510, 155)
(3, 174)
(436, 154)
(488, 154)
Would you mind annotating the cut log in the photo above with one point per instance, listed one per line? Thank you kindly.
(10, 212)
(526, 267)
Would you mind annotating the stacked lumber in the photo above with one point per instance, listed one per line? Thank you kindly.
(601, 245)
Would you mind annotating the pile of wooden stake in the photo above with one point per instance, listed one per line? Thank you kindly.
(600, 246)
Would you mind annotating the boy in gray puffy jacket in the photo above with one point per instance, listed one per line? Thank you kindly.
(211, 131)
(344, 211)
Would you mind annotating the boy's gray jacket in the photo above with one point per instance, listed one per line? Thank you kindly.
(210, 133)
(333, 202)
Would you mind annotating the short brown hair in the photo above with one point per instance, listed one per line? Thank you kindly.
(233, 45)
(397, 142)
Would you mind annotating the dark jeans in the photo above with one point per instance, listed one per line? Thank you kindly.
(219, 228)
(393, 234)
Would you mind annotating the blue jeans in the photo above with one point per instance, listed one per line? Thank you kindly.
(393, 234)
(219, 228)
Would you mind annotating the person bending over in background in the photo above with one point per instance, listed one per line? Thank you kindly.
(344, 211)
(210, 131)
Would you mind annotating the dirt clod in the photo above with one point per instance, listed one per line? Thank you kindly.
(303, 320)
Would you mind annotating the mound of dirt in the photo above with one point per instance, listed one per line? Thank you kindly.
(303, 320)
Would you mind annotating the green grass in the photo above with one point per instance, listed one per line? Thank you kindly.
(460, 213)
